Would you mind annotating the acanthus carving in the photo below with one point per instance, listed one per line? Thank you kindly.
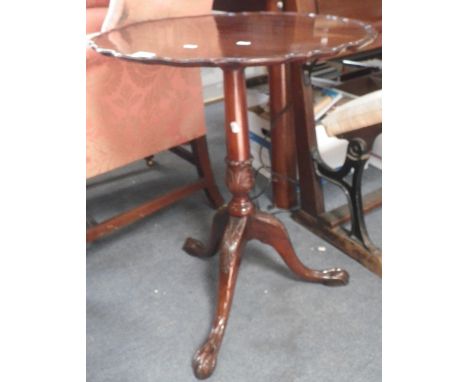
(239, 176)
(232, 241)
(240, 180)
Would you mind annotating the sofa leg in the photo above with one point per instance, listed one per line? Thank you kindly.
(357, 155)
(205, 171)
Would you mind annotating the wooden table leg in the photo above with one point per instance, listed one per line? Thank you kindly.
(283, 156)
(311, 198)
(241, 224)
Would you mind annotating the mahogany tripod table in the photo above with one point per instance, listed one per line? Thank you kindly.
(233, 41)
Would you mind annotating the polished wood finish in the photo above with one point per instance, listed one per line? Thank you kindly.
(311, 198)
(366, 10)
(369, 11)
(312, 213)
(283, 151)
(229, 39)
(283, 156)
(238, 222)
(304, 37)
(206, 182)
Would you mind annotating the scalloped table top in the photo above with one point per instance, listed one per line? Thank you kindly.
(234, 39)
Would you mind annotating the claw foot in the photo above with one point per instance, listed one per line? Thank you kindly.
(194, 247)
(204, 361)
(334, 277)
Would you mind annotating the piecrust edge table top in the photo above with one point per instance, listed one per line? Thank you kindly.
(300, 50)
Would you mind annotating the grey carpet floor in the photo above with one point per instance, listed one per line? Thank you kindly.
(149, 305)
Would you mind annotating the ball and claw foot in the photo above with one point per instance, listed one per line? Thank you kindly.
(204, 361)
(194, 248)
(334, 277)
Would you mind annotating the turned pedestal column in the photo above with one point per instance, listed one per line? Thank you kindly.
(233, 42)
(239, 222)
